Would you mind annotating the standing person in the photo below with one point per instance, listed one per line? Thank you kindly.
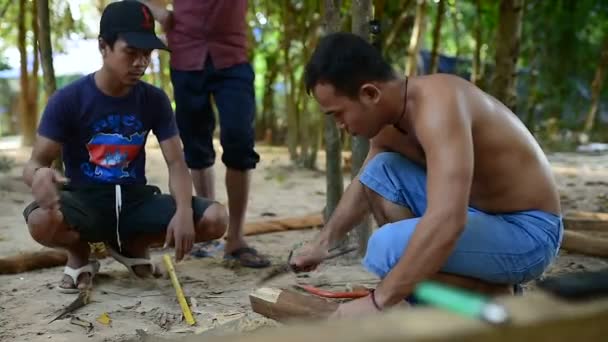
(208, 42)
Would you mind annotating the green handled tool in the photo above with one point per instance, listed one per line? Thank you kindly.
(460, 301)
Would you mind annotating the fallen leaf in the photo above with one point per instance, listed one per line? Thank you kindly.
(104, 319)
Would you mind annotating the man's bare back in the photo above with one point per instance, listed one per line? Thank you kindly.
(511, 173)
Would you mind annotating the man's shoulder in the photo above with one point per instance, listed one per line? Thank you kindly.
(153, 92)
(72, 90)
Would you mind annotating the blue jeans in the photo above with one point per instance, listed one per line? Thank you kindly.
(510, 248)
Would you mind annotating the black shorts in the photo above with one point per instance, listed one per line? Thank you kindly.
(91, 211)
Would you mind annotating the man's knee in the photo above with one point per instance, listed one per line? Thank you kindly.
(213, 224)
(43, 225)
(379, 257)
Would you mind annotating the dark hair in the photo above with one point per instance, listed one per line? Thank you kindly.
(345, 61)
(110, 39)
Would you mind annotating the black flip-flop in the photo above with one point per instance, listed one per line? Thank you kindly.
(237, 256)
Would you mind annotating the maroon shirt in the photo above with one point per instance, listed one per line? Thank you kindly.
(201, 27)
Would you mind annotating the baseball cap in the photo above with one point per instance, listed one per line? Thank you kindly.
(133, 21)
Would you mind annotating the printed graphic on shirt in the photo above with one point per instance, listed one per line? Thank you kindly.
(115, 144)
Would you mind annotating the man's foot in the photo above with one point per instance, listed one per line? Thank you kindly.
(78, 273)
(246, 256)
(139, 264)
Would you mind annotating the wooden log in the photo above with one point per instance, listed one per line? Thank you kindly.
(29, 261)
(586, 244)
(287, 305)
(586, 221)
(33, 260)
(534, 317)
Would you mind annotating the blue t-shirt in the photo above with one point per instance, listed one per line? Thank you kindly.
(103, 137)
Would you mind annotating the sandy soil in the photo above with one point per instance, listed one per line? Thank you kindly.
(219, 294)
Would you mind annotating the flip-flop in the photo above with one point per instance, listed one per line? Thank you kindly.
(237, 255)
(92, 267)
(129, 263)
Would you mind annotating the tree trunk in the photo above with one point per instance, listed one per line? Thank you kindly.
(26, 119)
(596, 87)
(416, 39)
(398, 23)
(266, 126)
(361, 13)
(34, 80)
(476, 73)
(507, 52)
(437, 36)
(333, 145)
(164, 78)
(46, 54)
(292, 119)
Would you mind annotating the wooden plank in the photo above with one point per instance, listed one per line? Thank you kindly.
(535, 317)
(586, 221)
(286, 305)
(587, 244)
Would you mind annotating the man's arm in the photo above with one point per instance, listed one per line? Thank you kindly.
(45, 151)
(180, 181)
(447, 142)
(352, 207)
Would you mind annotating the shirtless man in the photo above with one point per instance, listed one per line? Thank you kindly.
(461, 190)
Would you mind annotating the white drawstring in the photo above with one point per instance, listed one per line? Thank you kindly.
(118, 206)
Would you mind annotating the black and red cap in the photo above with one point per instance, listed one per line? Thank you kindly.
(134, 22)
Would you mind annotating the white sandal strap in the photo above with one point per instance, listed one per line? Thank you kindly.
(92, 268)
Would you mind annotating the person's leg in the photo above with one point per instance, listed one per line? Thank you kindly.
(50, 228)
(196, 123)
(492, 251)
(235, 99)
(145, 224)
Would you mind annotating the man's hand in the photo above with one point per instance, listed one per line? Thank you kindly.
(358, 307)
(44, 187)
(181, 231)
(309, 257)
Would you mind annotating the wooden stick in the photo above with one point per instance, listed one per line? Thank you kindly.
(585, 244)
(178, 290)
(287, 305)
(586, 221)
(30, 261)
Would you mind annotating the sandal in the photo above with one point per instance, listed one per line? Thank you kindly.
(248, 257)
(92, 268)
(130, 263)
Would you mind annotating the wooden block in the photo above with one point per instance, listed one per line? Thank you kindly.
(587, 244)
(586, 221)
(286, 305)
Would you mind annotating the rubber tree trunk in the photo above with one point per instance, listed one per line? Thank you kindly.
(361, 11)
(476, 73)
(416, 39)
(333, 145)
(437, 36)
(507, 51)
(596, 87)
(26, 119)
(46, 56)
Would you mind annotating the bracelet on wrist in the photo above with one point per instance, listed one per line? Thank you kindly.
(373, 296)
